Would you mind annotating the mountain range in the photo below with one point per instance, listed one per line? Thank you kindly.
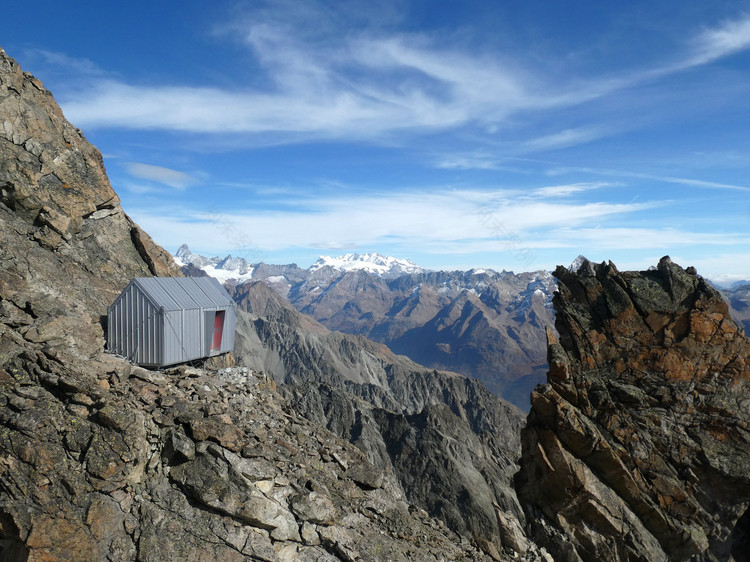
(482, 323)
(738, 298)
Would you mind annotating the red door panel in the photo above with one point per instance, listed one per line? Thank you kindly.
(218, 330)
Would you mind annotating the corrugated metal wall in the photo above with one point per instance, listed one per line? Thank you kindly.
(182, 336)
(157, 322)
(134, 327)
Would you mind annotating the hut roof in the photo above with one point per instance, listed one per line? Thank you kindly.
(184, 293)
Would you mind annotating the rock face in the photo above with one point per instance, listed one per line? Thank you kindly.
(638, 447)
(66, 246)
(189, 465)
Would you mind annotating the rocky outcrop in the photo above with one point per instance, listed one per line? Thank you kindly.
(128, 464)
(638, 447)
(67, 248)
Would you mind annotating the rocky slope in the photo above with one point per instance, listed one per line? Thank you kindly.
(190, 465)
(638, 448)
(66, 246)
(100, 460)
(452, 444)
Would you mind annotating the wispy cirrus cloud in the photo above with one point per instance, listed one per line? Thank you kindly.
(160, 174)
(569, 189)
(426, 219)
(690, 182)
(564, 139)
(370, 85)
(80, 66)
(727, 39)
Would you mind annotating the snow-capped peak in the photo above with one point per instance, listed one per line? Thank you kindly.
(577, 263)
(371, 262)
(223, 269)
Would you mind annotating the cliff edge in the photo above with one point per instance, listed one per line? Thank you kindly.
(638, 446)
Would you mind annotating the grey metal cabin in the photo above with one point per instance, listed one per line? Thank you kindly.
(160, 321)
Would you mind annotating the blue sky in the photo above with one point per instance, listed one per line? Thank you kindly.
(511, 135)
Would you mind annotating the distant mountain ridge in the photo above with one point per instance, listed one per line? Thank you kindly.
(738, 298)
(240, 270)
(481, 323)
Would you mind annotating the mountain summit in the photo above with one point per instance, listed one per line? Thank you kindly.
(377, 264)
(637, 448)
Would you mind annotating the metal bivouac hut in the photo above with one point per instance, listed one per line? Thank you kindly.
(161, 321)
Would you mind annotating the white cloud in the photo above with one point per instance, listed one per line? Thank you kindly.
(723, 268)
(731, 37)
(608, 239)
(478, 161)
(691, 182)
(569, 189)
(78, 65)
(425, 220)
(367, 85)
(564, 139)
(166, 176)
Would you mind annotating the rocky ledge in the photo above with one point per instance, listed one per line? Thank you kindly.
(189, 464)
(638, 447)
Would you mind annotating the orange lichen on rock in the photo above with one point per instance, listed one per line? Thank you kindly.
(655, 384)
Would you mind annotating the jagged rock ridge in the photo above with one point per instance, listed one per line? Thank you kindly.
(638, 448)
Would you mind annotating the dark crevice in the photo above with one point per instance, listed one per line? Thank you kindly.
(12, 548)
(135, 236)
(740, 538)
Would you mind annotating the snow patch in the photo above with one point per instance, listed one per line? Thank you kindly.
(224, 275)
(577, 263)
